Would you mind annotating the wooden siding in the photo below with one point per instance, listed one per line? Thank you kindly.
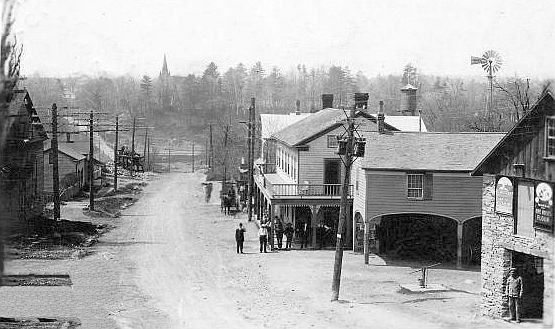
(526, 146)
(456, 196)
(66, 166)
(359, 195)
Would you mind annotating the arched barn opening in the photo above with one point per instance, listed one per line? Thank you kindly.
(472, 241)
(326, 229)
(419, 237)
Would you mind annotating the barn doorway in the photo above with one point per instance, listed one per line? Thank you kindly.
(418, 237)
(472, 241)
(303, 215)
(530, 269)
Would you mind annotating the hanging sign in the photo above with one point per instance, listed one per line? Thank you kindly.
(543, 206)
(504, 196)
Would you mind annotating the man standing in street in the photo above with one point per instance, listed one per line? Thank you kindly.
(278, 231)
(289, 235)
(240, 238)
(263, 236)
(513, 290)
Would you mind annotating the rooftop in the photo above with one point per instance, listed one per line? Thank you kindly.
(66, 149)
(427, 151)
(272, 123)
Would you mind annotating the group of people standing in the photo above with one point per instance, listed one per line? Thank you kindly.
(265, 231)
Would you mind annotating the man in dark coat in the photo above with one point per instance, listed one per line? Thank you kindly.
(240, 237)
(279, 231)
(289, 235)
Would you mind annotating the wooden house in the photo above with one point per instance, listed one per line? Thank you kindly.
(517, 214)
(414, 193)
(300, 180)
(22, 171)
(72, 170)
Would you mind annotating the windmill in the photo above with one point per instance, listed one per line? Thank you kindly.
(491, 63)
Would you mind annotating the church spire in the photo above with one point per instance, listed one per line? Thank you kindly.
(165, 72)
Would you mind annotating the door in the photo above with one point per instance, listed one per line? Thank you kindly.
(332, 175)
(530, 268)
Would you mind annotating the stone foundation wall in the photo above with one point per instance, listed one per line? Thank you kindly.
(497, 242)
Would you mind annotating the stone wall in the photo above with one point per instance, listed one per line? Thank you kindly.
(498, 241)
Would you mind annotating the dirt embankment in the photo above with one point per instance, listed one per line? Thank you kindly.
(79, 229)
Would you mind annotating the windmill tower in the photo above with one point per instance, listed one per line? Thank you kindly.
(491, 63)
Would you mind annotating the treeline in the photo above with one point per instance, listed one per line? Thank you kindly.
(447, 103)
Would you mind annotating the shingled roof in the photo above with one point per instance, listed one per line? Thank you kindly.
(316, 125)
(272, 123)
(427, 151)
(66, 149)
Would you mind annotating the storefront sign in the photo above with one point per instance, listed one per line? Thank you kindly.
(543, 206)
(504, 196)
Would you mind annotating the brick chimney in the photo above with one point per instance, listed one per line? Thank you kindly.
(408, 100)
(381, 119)
(327, 101)
(361, 101)
(298, 111)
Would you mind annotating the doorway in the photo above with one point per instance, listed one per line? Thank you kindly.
(332, 175)
(530, 269)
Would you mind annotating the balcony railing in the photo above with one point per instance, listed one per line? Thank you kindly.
(267, 168)
(331, 190)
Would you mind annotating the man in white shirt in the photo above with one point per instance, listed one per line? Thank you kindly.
(263, 236)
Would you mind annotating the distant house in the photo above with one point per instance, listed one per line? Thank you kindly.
(22, 171)
(300, 179)
(518, 214)
(72, 169)
(414, 193)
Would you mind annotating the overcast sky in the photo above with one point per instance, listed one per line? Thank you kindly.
(63, 37)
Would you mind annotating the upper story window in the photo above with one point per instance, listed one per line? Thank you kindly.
(332, 141)
(415, 186)
(550, 137)
(419, 186)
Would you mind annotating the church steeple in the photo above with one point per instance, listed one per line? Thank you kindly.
(165, 72)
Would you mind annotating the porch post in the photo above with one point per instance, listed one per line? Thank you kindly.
(459, 243)
(273, 226)
(366, 244)
(314, 210)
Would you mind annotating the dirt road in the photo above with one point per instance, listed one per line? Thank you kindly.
(187, 266)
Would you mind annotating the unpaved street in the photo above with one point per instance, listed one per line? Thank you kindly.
(171, 263)
(186, 261)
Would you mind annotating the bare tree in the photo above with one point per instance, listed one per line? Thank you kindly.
(10, 57)
(517, 92)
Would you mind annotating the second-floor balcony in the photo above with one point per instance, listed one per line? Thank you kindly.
(280, 186)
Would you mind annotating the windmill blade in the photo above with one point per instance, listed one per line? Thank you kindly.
(475, 60)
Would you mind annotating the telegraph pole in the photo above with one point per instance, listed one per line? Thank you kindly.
(343, 210)
(193, 156)
(91, 163)
(54, 157)
(251, 157)
(211, 156)
(116, 155)
(169, 160)
(148, 153)
(133, 146)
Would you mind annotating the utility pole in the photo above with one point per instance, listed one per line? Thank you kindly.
(343, 210)
(251, 157)
(54, 159)
(116, 155)
(148, 154)
(91, 162)
(211, 155)
(193, 169)
(133, 146)
(169, 159)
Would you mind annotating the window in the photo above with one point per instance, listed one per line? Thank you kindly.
(332, 141)
(420, 186)
(415, 186)
(550, 138)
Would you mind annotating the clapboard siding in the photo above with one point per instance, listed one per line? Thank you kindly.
(311, 162)
(457, 196)
(359, 200)
(66, 166)
(526, 145)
